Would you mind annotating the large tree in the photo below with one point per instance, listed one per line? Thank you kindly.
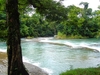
(15, 63)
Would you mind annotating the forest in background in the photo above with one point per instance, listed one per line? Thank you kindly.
(69, 22)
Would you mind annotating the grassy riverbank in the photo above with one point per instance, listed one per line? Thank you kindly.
(84, 71)
(64, 36)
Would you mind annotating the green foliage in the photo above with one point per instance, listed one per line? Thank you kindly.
(2, 5)
(80, 22)
(61, 36)
(52, 18)
(52, 10)
(35, 26)
(85, 71)
(98, 34)
(3, 27)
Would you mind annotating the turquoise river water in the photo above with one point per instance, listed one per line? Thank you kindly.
(56, 56)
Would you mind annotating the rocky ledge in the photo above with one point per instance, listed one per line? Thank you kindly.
(32, 69)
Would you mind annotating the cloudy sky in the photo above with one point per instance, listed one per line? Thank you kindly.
(92, 3)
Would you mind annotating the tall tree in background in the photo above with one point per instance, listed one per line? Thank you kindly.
(87, 15)
(15, 64)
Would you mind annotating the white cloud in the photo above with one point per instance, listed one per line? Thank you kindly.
(92, 3)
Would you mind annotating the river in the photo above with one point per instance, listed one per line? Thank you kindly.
(56, 56)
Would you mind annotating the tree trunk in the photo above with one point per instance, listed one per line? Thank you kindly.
(15, 64)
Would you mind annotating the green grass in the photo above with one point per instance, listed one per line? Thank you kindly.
(84, 71)
(64, 36)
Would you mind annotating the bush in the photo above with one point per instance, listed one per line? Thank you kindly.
(61, 36)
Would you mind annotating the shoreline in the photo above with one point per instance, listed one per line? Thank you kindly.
(3, 63)
(32, 69)
(3, 57)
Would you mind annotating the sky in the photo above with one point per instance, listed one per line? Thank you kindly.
(92, 3)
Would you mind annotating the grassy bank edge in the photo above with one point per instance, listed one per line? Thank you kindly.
(64, 36)
(83, 71)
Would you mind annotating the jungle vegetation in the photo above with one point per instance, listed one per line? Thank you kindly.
(69, 22)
